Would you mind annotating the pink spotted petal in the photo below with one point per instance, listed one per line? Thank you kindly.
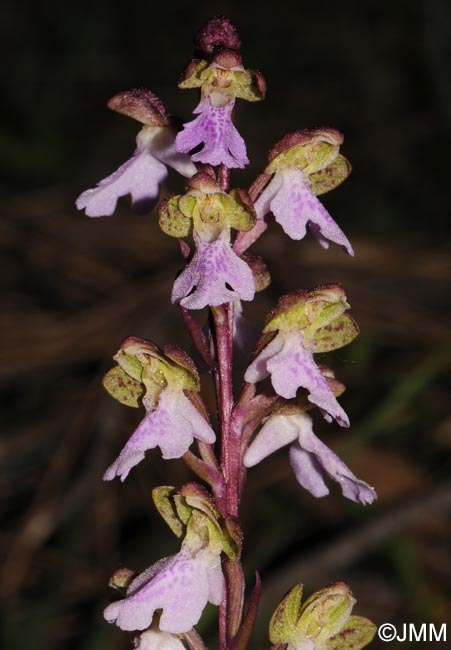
(172, 425)
(180, 588)
(292, 366)
(214, 276)
(141, 176)
(312, 461)
(291, 200)
(215, 130)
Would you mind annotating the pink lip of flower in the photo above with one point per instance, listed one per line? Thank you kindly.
(213, 267)
(180, 585)
(141, 176)
(215, 130)
(289, 197)
(292, 366)
(311, 459)
(172, 426)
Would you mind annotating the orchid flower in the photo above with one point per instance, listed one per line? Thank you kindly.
(171, 425)
(305, 322)
(216, 274)
(143, 174)
(322, 622)
(180, 585)
(290, 198)
(310, 458)
(302, 165)
(221, 82)
(172, 420)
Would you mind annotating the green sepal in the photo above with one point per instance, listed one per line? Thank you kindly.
(249, 85)
(224, 534)
(286, 615)
(129, 364)
(330, 177)
(336, 334)
(309, 158)
(354, 635)
(307, 310)
(232, 538)
(324, 613)
(172, 220)
(123, 388)
(184, 511)
(194, 76)
(197, 497)
(187, 373)
(164, 500)
(240, 211)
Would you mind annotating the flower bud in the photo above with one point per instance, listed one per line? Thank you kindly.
(218, 33)
(141, 105)
(323, 622)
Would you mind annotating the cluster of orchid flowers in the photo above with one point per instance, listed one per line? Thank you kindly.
(166, 601)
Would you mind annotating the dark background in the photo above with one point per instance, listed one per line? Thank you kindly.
(74, 287)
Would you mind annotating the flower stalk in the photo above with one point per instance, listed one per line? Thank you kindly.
(283, 384)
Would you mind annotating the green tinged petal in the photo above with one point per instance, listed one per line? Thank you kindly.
(354, 635)
(325, 613)
(330, 177)
(195, 75)
(173, 221)
(163, 497)
(336, 334)
(324, 620)
(283, 622)
(249, 86)
(309, 311)
(240, 211)
(123, 388)
(309, 158)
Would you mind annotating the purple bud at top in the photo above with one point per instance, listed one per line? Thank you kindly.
(217, 34)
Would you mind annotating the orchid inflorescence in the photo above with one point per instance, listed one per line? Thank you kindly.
(283, 381)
